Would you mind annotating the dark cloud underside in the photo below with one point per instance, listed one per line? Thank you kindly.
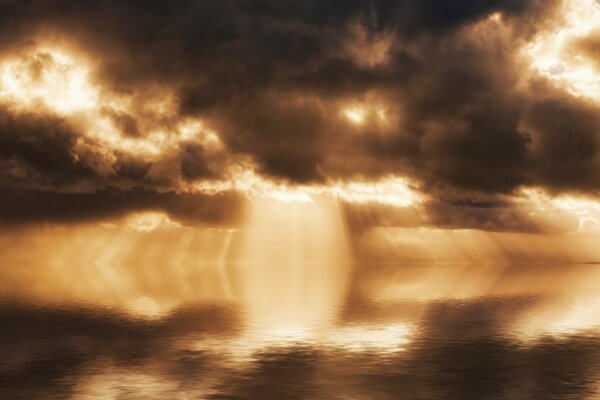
(270, 77)
(18, 206)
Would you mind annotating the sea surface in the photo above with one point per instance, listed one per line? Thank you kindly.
(420, 330)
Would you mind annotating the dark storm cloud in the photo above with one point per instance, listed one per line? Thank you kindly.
(491, 216)
(565, 144)
(127, 124)
(34, 206)
(413, 17)
(36, 147)
(267, 126)
(270, 77)
(39, 150)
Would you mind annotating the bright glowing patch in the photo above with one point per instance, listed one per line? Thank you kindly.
(356, 115)
(47, 77)
(551, 53)
(391, 191)
(565, 316)
(496, 17)
(291, 196)
(59, 81)
(147, 307)
(112, 382)
(148, 221)
(387, 338)
(364, 112)
(585, 210)
(194, 129)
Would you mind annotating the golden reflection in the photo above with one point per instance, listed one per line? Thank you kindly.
(116, 383)
(144, 265)
(287, 266)
(560, 317)
(572, 308)
(292, 264)
(550, 299)
(386, 338)
(552, 52)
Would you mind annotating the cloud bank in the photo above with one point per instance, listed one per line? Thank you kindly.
(129, 105)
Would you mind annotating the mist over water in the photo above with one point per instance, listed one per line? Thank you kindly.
(285, 309)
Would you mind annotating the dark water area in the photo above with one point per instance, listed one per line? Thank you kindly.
(395, 333)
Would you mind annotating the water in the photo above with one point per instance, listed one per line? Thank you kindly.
(390, 331)
(285, 307)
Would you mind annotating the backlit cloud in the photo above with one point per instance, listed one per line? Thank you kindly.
(450, 109)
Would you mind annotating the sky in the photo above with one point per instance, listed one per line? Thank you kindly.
(417, 116)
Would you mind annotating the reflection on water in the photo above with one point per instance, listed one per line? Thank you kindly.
(277, 311)
(292, 256)
(520, 343)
